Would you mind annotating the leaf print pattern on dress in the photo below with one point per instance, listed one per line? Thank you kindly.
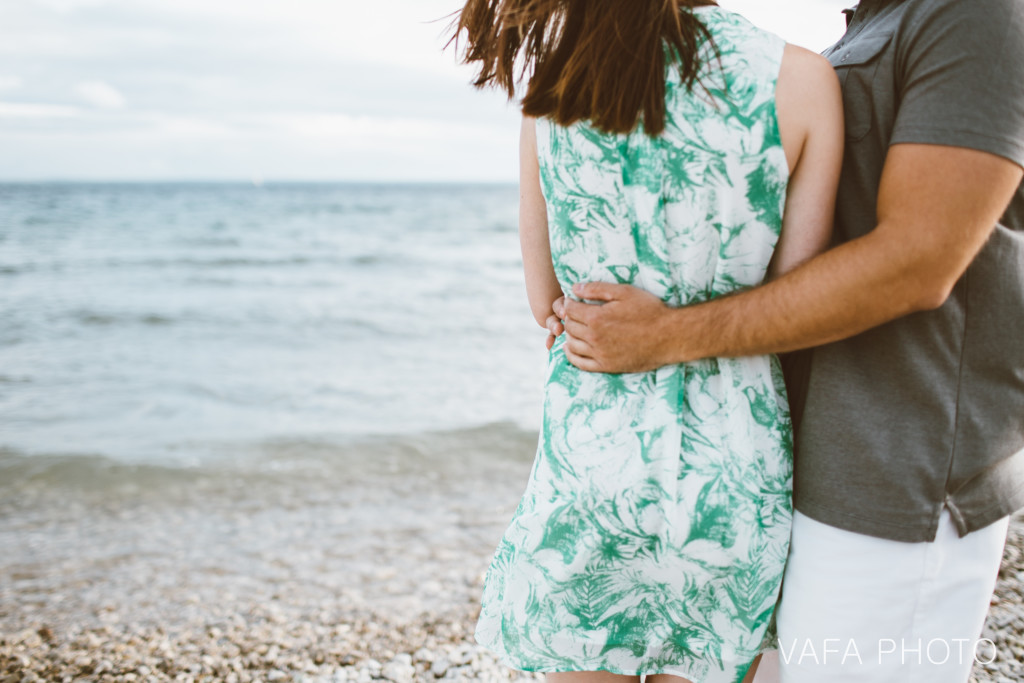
(655, 523)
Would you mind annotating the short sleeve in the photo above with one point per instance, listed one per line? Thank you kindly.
(961, 76)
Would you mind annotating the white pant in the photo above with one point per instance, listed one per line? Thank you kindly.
(860, 609)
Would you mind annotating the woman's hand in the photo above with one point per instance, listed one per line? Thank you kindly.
(554, 321)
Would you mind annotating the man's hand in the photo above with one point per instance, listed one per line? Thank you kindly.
(621, 334)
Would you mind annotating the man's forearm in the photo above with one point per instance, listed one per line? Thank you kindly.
(937, 207)
(842, 292)
(838, 294)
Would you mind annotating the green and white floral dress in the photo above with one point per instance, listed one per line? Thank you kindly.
(655, 524)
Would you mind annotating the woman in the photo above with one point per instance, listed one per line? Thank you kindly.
(661, 141)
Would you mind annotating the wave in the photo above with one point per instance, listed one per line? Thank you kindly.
(217, 262)
(199, 263)
(103, 319)
(21, 268)
(347, 325)
(447, 458)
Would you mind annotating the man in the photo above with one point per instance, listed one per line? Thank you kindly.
(911, 444)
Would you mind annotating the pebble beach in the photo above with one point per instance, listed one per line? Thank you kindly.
(129, 573)
(292, 575)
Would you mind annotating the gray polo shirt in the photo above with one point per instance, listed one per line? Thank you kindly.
(925, 412)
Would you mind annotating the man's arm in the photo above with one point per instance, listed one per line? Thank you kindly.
(936, 208)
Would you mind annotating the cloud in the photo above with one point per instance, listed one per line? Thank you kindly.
(31, 110)
(69, 5)
(99, 94)
(375, 130)
(9, 82)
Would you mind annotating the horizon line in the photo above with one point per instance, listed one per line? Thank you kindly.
(238, 181)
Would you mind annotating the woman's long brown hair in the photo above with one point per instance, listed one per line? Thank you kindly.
(601, 61)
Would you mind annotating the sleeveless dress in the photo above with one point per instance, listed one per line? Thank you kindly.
(655, 524)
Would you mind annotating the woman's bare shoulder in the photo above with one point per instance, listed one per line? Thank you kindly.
(806, 79)
(799, 63)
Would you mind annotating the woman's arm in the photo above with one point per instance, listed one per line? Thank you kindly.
(809, 104)
(542, 287)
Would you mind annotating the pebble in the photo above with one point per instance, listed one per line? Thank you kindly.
(440, 667)
(233, 632)
(399, 669)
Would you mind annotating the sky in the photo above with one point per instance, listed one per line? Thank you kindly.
(264, 90)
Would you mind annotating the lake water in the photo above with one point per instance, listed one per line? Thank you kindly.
(187, 325)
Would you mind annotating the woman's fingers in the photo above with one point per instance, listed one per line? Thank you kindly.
(559, 307)
(554, 325)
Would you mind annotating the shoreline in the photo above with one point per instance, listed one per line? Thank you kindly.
(289, 576)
